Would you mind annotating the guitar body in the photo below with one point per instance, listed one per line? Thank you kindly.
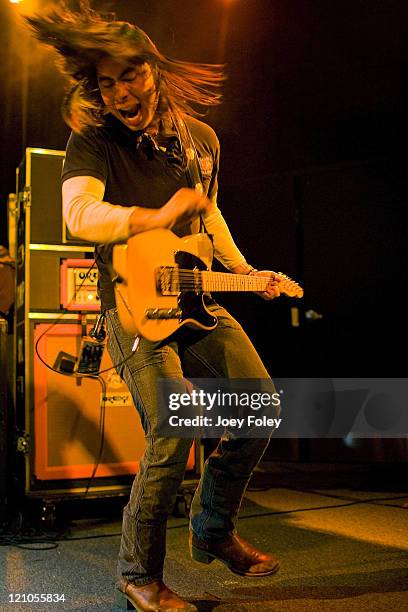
(162, 279)
(142, 307)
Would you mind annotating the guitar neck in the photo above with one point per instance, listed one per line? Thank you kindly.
(224, 281)
(208, 281)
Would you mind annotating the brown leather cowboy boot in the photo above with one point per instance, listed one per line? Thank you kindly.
(236, 553)
(155, 596)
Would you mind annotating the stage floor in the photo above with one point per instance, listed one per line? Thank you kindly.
(341, 548)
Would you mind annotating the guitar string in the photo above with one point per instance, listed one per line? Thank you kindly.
(235, 282)
(182, 271)
(187, 279)
(208, 281)
(190, 278)
(186, 285)
(232, 278)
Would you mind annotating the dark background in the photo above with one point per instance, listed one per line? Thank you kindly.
(313, 179)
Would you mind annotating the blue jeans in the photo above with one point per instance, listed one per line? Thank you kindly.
(225, 352)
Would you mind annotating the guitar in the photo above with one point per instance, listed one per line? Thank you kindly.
(161, 280)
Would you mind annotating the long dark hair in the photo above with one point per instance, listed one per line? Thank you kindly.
(82, 38)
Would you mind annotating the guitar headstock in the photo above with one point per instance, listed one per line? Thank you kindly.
(289, 287)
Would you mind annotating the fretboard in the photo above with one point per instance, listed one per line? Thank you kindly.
(206, 281)
(172, 280)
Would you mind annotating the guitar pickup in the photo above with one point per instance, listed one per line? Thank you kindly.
(163, 313)
(167, 280)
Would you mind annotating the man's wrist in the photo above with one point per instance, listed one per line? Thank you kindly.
(244, 268)
(143, 219)
(249, 270)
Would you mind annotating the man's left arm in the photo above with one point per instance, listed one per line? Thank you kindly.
(227, 252)
(225, 249)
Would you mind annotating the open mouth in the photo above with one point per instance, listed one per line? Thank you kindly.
(131, 113)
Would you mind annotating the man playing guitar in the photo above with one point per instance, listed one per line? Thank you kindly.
(132, 163)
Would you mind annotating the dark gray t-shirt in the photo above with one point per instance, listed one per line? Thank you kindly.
(138, 175)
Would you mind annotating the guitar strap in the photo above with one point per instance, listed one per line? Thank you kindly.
(194, 175)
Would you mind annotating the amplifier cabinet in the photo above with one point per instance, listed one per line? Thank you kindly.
(39, 195)
(45, 286)
(61, 416)
(41, 241)
(79, 285)
(68, 414)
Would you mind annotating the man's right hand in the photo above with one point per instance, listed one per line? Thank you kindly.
(185, 205)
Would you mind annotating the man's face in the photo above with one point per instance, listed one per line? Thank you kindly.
(128, 91)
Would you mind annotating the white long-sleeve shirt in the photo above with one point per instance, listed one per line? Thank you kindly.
(90, 218)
